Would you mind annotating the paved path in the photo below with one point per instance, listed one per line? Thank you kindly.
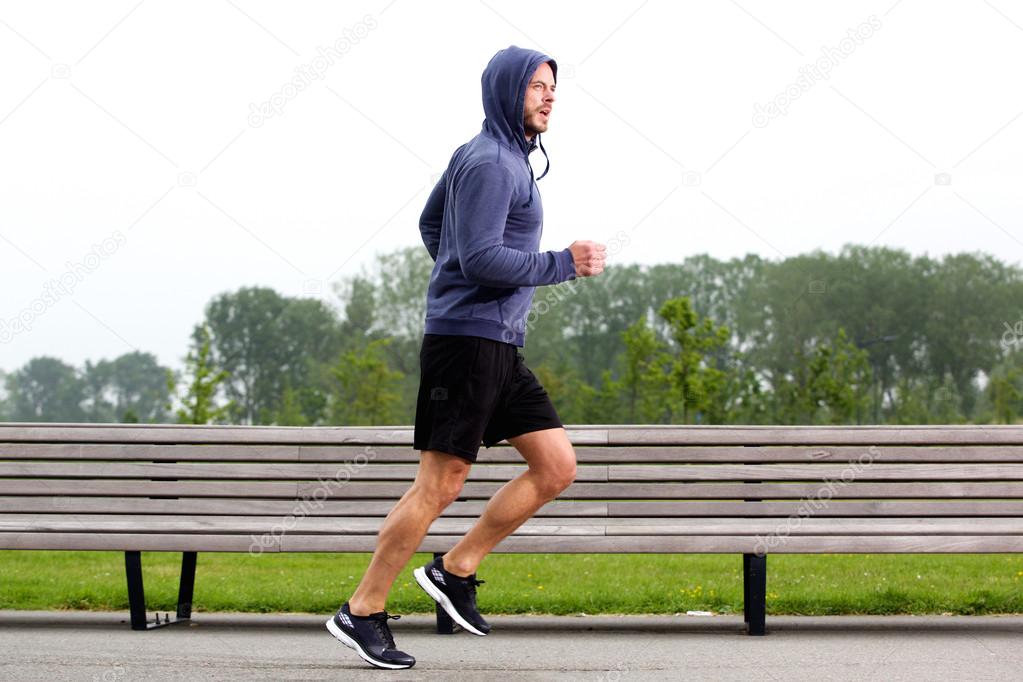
(51, 645)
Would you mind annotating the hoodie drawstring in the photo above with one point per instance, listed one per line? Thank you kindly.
(532, 180)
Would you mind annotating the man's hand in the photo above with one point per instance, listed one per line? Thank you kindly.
(588, 257)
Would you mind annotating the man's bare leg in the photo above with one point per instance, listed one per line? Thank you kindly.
(438, 482)
(552, 468)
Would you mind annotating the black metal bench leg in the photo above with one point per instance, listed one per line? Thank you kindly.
(445, 626)
(137, 593)
(745, 588)
(755, 590)
(187, 585)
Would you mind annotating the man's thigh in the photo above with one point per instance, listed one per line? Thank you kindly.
(547, 451)
(525, 408)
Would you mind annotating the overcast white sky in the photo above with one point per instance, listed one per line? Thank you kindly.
(132, 122)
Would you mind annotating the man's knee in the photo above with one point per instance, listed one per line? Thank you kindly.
(558, 472)
(440, 492)
(449, 492)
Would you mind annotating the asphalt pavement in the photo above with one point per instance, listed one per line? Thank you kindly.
(79, 645)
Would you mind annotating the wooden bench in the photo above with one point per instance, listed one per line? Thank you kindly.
(652, 489)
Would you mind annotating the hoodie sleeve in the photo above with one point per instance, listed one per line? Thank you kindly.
(482, 199)
(432, 216)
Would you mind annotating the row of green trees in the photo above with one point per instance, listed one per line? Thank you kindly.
(869, 335)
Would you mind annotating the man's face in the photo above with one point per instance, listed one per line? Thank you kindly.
(536, 111)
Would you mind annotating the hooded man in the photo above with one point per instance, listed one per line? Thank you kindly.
(481, 225)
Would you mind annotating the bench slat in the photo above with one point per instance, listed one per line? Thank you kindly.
(558, 507)
(504, 454)
(248, 525)
(212, 506)
(482, 490)
(778, 472)
(501, 472)
(88, 523)
(261, 471)
(677, 544)
(638, 491)
(583, 435)
(261, 489)
(146, 451)
(923, 544)
(636, 454)
(970, 434)
(832, 508)
(132, 542)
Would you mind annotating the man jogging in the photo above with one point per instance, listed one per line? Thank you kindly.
(482, 226)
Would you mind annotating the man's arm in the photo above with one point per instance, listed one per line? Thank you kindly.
(482, 200)
(432, 216)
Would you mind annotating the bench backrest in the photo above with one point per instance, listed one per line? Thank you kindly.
(712, 477)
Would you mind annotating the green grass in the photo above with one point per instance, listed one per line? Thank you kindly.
(529, 583)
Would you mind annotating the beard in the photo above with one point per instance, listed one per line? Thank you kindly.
(534, 124)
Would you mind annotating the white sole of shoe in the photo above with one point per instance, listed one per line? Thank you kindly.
(442, 599)
(352, 644)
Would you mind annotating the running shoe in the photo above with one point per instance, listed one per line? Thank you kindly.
(370, 636)
(455, 594)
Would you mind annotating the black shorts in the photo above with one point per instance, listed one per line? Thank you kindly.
(474, 390)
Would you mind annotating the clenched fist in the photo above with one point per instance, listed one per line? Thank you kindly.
(589, 258)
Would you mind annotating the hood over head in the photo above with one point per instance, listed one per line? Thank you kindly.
(504, 94)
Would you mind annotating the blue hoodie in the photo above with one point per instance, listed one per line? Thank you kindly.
(483, 220)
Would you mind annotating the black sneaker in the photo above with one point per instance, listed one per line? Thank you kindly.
(457, 595)
(370, 636)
